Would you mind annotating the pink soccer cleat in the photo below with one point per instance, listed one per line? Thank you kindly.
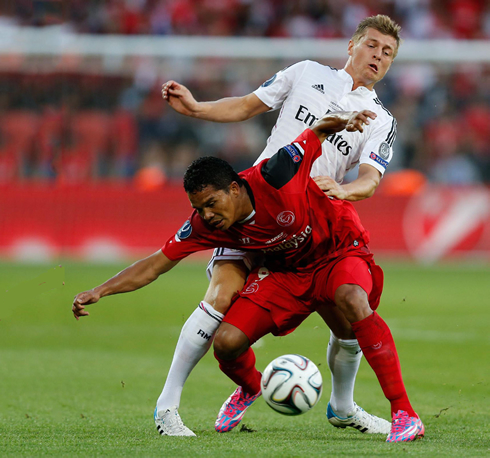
(405, 428)
(233, 410)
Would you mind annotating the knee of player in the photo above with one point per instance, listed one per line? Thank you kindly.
(229, 342)
(220, 299)
(353, 301)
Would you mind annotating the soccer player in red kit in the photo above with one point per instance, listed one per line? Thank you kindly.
(307, 236)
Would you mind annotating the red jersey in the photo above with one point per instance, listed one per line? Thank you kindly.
(294, 223)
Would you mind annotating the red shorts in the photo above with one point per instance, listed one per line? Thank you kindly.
(278, 302)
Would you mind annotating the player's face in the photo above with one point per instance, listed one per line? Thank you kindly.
(217, 208)
(371, 57)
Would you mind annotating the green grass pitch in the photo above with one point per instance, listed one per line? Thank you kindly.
(89, 388)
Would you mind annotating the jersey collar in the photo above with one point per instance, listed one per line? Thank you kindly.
(252, 198)
(248, 218)
(364, 91)
(348, 79)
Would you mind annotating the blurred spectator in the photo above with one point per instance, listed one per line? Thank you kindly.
(287, 18)
(151, 173)
(451, 156)
(457, 169)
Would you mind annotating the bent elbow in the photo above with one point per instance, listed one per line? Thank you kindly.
(371, 191)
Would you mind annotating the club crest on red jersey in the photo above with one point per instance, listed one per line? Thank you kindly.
(285, 218)
(252, 288)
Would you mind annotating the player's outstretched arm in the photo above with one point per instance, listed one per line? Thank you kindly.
(137, 275)
(229, 109)
(351, 121)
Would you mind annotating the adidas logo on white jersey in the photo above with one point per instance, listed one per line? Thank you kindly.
(319, 87)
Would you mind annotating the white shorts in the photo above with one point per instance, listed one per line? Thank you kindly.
(249, 258)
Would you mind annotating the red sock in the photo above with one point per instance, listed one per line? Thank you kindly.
(378, 346)
(242, 371)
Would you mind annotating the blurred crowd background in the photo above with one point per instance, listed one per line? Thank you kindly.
(78, 122)
(465, 19)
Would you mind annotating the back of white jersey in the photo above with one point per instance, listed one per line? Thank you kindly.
(305, 92)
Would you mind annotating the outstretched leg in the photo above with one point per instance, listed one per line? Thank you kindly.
(195, 340)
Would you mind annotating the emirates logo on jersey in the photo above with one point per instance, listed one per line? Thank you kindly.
(285, 218)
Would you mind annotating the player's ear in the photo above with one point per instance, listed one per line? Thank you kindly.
(350, 47)
(234, 188)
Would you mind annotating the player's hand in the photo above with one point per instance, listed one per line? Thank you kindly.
(179, 98)
(330, 187)
(358, 120)
(337, 121)
(81, 300)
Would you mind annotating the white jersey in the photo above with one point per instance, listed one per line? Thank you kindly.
(305, 92)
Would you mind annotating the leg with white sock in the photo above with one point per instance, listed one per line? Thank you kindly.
(343, 358)
(195, 340)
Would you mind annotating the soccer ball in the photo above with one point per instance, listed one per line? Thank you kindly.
(291, 384)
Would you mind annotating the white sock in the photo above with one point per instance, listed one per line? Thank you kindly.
(195, 339)
(343, 358)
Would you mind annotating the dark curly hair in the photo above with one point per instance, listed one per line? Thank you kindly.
(209, 171)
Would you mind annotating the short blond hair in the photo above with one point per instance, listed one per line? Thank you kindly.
(381, 23)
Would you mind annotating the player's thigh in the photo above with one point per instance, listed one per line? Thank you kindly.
(227, 281)
(250, 318)
(351, 270)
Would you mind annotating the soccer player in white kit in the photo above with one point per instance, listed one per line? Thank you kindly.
(304, 92)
